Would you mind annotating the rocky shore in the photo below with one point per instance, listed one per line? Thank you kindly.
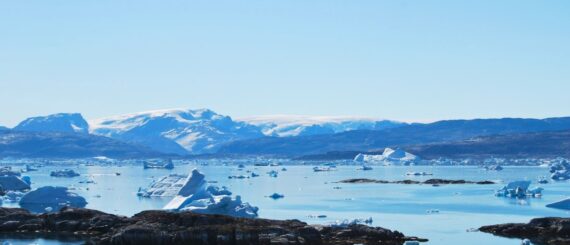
(415, 182)
(162, 227)
(540, 231)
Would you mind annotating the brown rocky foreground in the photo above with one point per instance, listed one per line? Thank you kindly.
(540, 231)
(162, 227)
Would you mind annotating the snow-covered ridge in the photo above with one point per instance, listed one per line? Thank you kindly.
(296, 125)
(61, 122)
(175, 131)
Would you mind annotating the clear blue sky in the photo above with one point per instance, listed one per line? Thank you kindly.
(404, 60)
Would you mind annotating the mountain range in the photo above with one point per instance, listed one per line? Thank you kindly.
(189, 132)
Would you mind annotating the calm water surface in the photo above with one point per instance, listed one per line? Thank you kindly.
(393, 206)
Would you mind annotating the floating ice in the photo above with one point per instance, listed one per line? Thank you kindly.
(54, 197)
(276, 196)
(272, 173)
(68, 173)
(519, 189)
(563, 204)
(560, 170)
(324, 168)
(198, 197)
(418, 173)
(389, 156)
(14, 183)
(495, 167)
(346, 222)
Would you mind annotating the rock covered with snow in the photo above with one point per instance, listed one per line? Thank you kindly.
(199, 197)
(53, 197)
(175, 131)
(61, 122)
(389, 156)
(519, 189)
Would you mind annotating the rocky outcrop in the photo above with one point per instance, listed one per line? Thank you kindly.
(539, 231)
(162, 227)
(412, 182)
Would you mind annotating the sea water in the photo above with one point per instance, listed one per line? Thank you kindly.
(308, 194)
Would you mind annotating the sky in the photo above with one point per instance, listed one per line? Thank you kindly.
(402, 60)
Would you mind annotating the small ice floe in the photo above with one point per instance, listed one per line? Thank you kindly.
(241, 166)
(275, 164)
(316, 216)
(411, 243)
(118, 174)
(347, 223)
(29, 168)
(364, 168)
(238, 177)
(519, 189)
(65, 173)
(562, 204)
(495, 167)
(526, 242)
(337, 187)
(560, 170)
(432, 211)
(542, 180)
(324, 168)
(253, 175)
(54, 197)
(411, 173)
(273, 173)
(199, 197)
(276, 196)
(284, 169)
(168, 164)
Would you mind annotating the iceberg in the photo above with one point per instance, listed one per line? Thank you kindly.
(389, 156)
(54, 197)
(519, 189)
(14, 183)
(276, 196)
(68, 173)
(563, 204)
(12, 196)
(560, 170)
(199, 197)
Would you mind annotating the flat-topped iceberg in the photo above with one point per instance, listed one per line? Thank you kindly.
(51, 198)
(519, 189)
(199, 197)
(167, 186)
(389, 156)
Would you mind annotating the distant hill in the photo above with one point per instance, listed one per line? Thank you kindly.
(61, 122)
(15, 143)
(539, 144)
(297, 125)
(369, 140)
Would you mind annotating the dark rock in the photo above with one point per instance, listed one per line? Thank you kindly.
(434, 182)
(162, 227)
(539, 231)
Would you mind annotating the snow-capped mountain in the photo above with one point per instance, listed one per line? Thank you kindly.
(61, 122)
(175, 131)
(295, 125)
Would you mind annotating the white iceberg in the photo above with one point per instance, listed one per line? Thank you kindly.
(519, 189)
(198, 197)
(389, 156)
(560, 170)
(54, 197)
